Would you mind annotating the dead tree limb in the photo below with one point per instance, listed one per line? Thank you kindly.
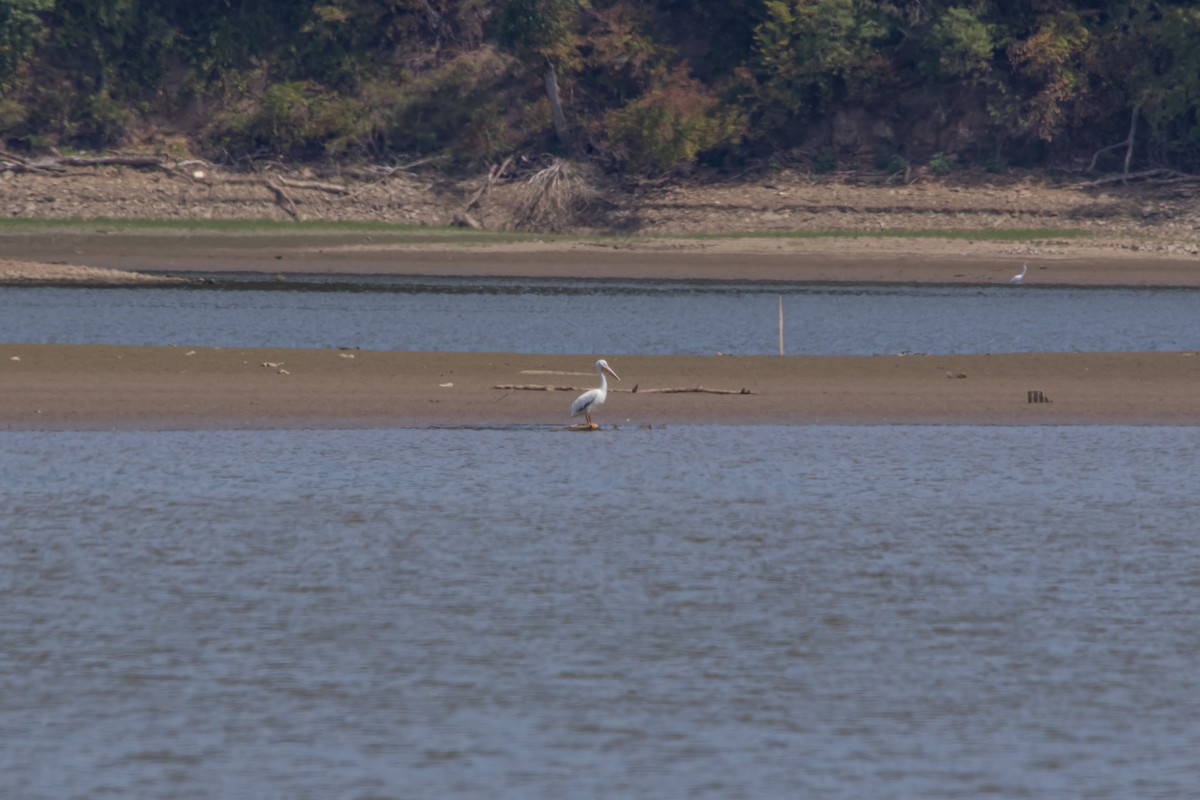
(554, 198)
(316, 186)
(535, 387)
(695, 390)
(379, 173)
(282, 200)
(1156, 176)
(493, 176)
(539, 387)
(1127, 142)
(57, 162)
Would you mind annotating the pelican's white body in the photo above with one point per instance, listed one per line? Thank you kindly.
(1020, 277)
(586, 402)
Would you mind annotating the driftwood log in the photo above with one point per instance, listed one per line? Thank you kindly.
(1154, 177)
(538, 387)
(59, 165)
(189, 170)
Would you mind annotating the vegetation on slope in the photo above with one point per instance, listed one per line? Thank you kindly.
(641, 86)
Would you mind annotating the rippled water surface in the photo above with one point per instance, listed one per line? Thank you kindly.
(644, 317)
(709, 611)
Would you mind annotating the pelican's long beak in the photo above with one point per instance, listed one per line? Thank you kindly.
(608, 369)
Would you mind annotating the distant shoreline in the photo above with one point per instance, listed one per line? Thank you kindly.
(81, 257)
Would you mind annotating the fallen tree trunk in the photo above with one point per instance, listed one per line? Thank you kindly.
(696, 389)
(535, 387)
(539, 387)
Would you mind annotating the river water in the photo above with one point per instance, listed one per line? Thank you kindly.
(608, 317)
(689, 611)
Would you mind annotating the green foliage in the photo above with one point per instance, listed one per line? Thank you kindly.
(810, 53)
(669, 125)
(890, 162)
(825, 161)
(461, 108)
(540, 30)
(296, 120)
(1051, 62)
(657, 82)
(21, 28)
(115, 46)
(963, 43)
(622, 59)
(1171, 94)
(55, 116)
(941, 164)
(13, 114)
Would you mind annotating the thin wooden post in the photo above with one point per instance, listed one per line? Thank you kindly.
(780, 324)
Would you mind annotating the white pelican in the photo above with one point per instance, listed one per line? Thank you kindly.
(1020, 276)
(593, 397)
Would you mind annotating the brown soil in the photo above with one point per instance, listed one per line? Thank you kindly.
(779, 201)
(1162, 217)
(1127, 226)
(79, 386)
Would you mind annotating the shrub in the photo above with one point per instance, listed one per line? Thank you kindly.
(890, 162)
(824, 162)
(993, 165)
(670, 124)
(296, 119)
(941, 164)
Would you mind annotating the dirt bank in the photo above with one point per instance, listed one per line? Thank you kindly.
(702, 203)
(1137, 234)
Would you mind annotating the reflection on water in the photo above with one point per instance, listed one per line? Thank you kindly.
(687, 611)
(643, 317)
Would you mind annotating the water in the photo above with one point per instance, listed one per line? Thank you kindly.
(707, 611)
(644, 317)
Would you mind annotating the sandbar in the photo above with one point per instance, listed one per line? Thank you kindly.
(104, 387)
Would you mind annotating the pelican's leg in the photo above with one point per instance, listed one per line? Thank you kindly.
(591, 425)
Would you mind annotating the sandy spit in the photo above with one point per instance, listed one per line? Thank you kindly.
(105, 387)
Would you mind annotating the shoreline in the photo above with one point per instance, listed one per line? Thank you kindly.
(782, 225)
(142, 260)
(104, 387)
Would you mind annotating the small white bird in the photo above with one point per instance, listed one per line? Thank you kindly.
(593, 397)
(1020, 277)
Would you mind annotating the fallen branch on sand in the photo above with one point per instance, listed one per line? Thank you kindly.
(538, 387)
(1150, 177)
(534, 387)
(697, 389)
(192, 170)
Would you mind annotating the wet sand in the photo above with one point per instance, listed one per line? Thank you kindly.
(75, 256)
(74, 387)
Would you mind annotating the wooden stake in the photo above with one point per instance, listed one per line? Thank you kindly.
(780, 324)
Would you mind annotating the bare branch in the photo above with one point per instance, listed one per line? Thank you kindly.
(1127, 143)
(554, 198)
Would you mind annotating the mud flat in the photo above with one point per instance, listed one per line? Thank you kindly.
(117, 387)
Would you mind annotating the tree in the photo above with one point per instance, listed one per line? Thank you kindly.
(669, 124)
(811, 53)
(1051, 62)
(541, 32)
(963, 43)
(20, 30)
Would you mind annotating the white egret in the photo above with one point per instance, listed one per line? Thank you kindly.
(593, 397)
(1020, 276)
